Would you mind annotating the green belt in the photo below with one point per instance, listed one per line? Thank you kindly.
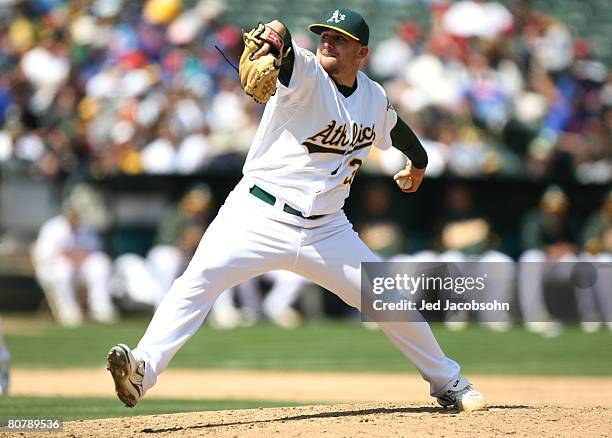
(266, 197)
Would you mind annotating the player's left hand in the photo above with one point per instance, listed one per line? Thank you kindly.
(410, 178)
(260, 61)
(264, 50)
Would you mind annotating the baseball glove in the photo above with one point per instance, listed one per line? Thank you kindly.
(258, 76)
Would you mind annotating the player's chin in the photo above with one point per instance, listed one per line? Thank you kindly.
(330, 65)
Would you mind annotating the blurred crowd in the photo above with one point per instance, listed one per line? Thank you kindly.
(109, 86)
(498, 91)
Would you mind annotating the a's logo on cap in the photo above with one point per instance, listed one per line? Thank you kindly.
(337, 17)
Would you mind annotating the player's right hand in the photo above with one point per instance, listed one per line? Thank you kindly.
(410, 178)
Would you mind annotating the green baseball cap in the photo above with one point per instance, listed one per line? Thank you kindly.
(344, 21)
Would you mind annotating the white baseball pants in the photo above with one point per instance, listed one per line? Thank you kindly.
(249, 237)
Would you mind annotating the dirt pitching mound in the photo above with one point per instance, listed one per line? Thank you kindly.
(372, 405)
(354, 420)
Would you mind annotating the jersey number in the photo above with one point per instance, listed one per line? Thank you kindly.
(356, 163)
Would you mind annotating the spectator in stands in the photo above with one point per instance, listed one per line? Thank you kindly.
(587, 137)
(486, 95)
(391, 55)
(66, 255)
(493, 86)
(158, 156)
(469, 18)
(472, 154)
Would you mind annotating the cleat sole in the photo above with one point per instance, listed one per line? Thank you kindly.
(118, 364)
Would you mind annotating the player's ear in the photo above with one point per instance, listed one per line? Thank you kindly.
(363, 52)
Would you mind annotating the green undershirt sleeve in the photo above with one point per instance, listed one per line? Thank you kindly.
(286, 68)
(406, 141)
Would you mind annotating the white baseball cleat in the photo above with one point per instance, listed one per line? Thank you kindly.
(462, 396)
(127, 373)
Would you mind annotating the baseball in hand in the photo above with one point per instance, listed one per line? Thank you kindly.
(404, 183)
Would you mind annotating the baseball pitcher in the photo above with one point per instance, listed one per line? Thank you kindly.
(321, 118)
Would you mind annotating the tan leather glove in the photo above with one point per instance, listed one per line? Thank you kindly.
(258, 75)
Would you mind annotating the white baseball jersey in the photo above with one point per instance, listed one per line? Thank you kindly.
(312, 139)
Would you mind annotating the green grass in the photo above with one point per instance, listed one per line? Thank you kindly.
(318, 346)
(83, 408)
